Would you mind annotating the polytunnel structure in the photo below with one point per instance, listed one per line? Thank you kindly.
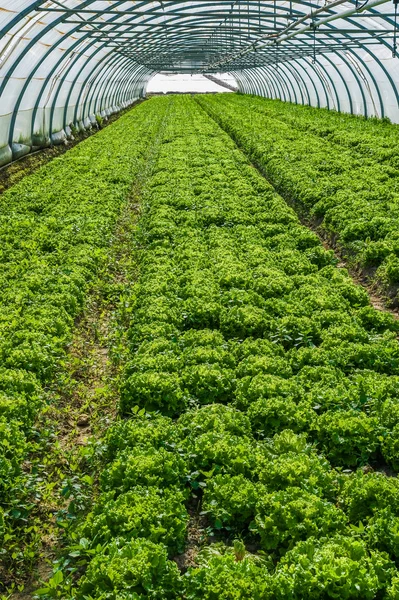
(199, 300)
(64, 62)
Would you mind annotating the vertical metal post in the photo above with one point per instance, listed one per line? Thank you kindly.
(239, 23)
(249, 32)
(395, 29)
(313, 27)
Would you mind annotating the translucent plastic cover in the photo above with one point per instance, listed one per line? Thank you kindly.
(63, 62)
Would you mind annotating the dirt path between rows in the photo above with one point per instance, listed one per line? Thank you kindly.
(84, 401)
(82, 404)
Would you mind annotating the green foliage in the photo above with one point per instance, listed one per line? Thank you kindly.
(390, 447)
(230, 501)
(364, 494)
(209, 383)
(99, 121)
(393, 589)
(276, 414)
(223, 453)
(149, 467)
(56, 228)
(221, 576)
(337, 567)
(256, 373)
(348, 437)
(214, 418)
(13, 447)
(304, 469)
(130, 570)
(148, 513)
(153, 390)
(338, 168)
(144, 432)
(285, 517)
(383, 531)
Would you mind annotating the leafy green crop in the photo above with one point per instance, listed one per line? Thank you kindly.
(140, 513)
(221, 576)
(284, 517)
(56, 229)
(340, 168)
(231, 500)
(259, 395)
(363, 495)
(130, 570)
(337, 567)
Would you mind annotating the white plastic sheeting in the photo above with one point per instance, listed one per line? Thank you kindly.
(52, 76)
(362, 78)
(62, 62)
(185, 83)
(353, 82)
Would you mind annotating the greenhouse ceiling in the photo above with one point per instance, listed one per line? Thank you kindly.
(64, 61)
(209, 36)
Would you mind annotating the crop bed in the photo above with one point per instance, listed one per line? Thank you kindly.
(257, 445)
(260, 396)
(340, 169)
(56, 227)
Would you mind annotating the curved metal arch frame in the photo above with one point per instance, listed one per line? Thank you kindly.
(356, 77)
(104, 83)
(111, 21)
(72, 87)
(108, 82)
(129, 72)
(39, 64)
(322, 84)
(271, 75)
(82, 84)
(365, 66)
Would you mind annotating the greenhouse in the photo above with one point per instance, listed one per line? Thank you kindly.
(199, 300)
(63, 62)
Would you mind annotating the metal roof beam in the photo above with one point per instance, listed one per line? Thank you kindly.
(288, 34)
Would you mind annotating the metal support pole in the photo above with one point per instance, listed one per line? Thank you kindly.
(287, 34)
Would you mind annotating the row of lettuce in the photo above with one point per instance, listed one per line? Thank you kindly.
(56, 227)
(343, 171)
(370, 138)
(261, 385)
